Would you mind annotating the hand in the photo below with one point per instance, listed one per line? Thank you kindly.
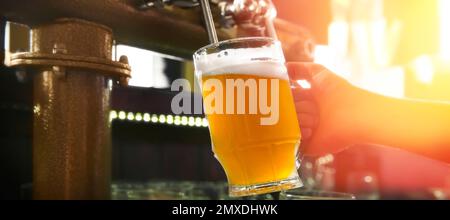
(321, 110)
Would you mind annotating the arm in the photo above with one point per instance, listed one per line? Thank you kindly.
(345, 115)
(416, 126)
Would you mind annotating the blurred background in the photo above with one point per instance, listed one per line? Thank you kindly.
(398, 48)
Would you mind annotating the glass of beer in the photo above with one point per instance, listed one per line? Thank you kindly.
(250, 109)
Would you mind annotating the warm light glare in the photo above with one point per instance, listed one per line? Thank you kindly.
(37, 110)
(325, 159)
(323, 56)
(423, 67)
(368, 179)
(304, 84)
(338, 34)
(444, 15)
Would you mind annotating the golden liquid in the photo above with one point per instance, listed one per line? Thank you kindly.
(249, 152)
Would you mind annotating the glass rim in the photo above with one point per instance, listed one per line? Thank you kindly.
(236, 40)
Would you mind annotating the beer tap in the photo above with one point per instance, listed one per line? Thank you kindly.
(252, 17)
(248, 18)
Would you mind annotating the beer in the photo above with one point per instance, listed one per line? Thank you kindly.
(257, 157)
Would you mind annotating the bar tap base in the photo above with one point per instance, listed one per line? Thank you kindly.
(73, 73)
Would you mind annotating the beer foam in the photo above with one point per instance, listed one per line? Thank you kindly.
(266, 62)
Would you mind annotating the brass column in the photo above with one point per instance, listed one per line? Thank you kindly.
(73, 75)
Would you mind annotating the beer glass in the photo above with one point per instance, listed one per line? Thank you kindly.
(250, 109)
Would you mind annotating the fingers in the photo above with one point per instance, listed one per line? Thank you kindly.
(298, 71)
(307, 107)
(306, 71)
(307, 120)
(302, 94)
(306, 133)
(307, 115)
(307, 110)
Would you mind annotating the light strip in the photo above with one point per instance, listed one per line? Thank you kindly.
(176, 120)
